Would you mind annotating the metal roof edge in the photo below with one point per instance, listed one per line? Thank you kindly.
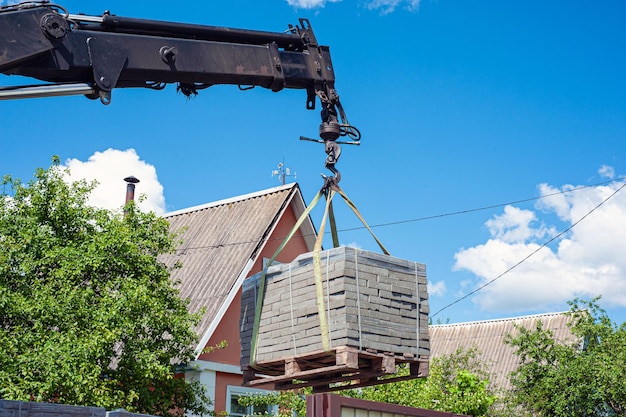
(469, 323)
(230, 200)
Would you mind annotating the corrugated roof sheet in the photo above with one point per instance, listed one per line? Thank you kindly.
(488, 337)
(218, 241)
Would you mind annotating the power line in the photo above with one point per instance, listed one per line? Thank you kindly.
(473, 210)
(531, 254)
(436, 216)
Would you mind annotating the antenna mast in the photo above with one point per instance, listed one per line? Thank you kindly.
(283, 172)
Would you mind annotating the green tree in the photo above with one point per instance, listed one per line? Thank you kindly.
(457, 383)
(88, 314)
(289, 403)
(581, 377)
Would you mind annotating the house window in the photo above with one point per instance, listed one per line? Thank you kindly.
(233, 393)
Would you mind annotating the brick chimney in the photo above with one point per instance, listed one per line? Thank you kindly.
(130, 189)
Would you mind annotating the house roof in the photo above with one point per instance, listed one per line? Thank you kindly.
(488, 337)
(220, 243)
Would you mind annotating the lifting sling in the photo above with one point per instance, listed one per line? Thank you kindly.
(329, 190)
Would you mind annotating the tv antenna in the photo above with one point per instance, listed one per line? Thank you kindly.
(283, 172)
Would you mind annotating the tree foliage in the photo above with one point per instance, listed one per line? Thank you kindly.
(583, 377)
(289, 403)
(457, 383)
(88, 314)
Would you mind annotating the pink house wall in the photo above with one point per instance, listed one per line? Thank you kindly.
(228, 328)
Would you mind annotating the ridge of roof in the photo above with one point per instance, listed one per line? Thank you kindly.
(230, 200)
(505, 319)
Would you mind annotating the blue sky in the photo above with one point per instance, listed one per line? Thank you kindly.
(462, 106)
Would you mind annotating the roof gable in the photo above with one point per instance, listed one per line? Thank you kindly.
(488, 337)
(220, 243)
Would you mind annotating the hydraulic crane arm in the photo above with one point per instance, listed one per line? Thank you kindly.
(92, 55)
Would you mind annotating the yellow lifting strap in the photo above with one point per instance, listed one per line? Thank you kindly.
(356, 211)
(317, 272)
(329, 192)
(333, 223)
(261, 293)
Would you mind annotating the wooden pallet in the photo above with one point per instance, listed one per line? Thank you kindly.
(340, 368)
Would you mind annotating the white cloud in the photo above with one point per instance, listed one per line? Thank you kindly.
(515, 226)
(385, 6)
(354, 245)
(587, 262)
(437, 288)
(309, 4)
(606, 171)
(388, 6)
(110, 168)
(555, 201)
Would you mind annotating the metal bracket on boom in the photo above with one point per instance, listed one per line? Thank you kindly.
(334, 125)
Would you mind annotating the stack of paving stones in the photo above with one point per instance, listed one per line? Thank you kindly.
(384, 311)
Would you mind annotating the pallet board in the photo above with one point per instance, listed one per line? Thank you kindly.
(331, 371)
(374, 304)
